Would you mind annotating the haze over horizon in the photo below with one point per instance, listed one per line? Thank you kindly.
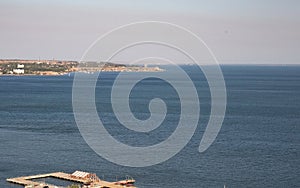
(238, 32)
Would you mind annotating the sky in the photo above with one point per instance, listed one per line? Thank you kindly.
(237, 31)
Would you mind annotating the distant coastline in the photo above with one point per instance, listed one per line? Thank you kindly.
(22, 67)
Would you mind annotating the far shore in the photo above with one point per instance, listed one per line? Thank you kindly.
(67, 73)
(16, 67)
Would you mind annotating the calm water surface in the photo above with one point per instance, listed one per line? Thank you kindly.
(258, 145)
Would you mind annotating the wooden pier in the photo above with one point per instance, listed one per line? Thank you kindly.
(28, 181)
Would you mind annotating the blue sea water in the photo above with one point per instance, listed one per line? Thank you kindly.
(258, 145)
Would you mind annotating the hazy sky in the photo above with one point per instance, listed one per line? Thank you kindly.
(238, 31)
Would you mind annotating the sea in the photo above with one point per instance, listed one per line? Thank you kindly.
(257, 146)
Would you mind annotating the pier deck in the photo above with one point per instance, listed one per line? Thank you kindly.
(29, 180)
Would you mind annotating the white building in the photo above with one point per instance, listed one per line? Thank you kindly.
(20, 66)
(18, 71)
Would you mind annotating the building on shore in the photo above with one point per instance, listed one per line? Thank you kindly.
(19, 69)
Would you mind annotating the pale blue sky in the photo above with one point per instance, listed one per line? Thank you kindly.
(238, 31)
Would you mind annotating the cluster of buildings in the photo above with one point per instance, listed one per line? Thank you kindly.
(19, 69)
